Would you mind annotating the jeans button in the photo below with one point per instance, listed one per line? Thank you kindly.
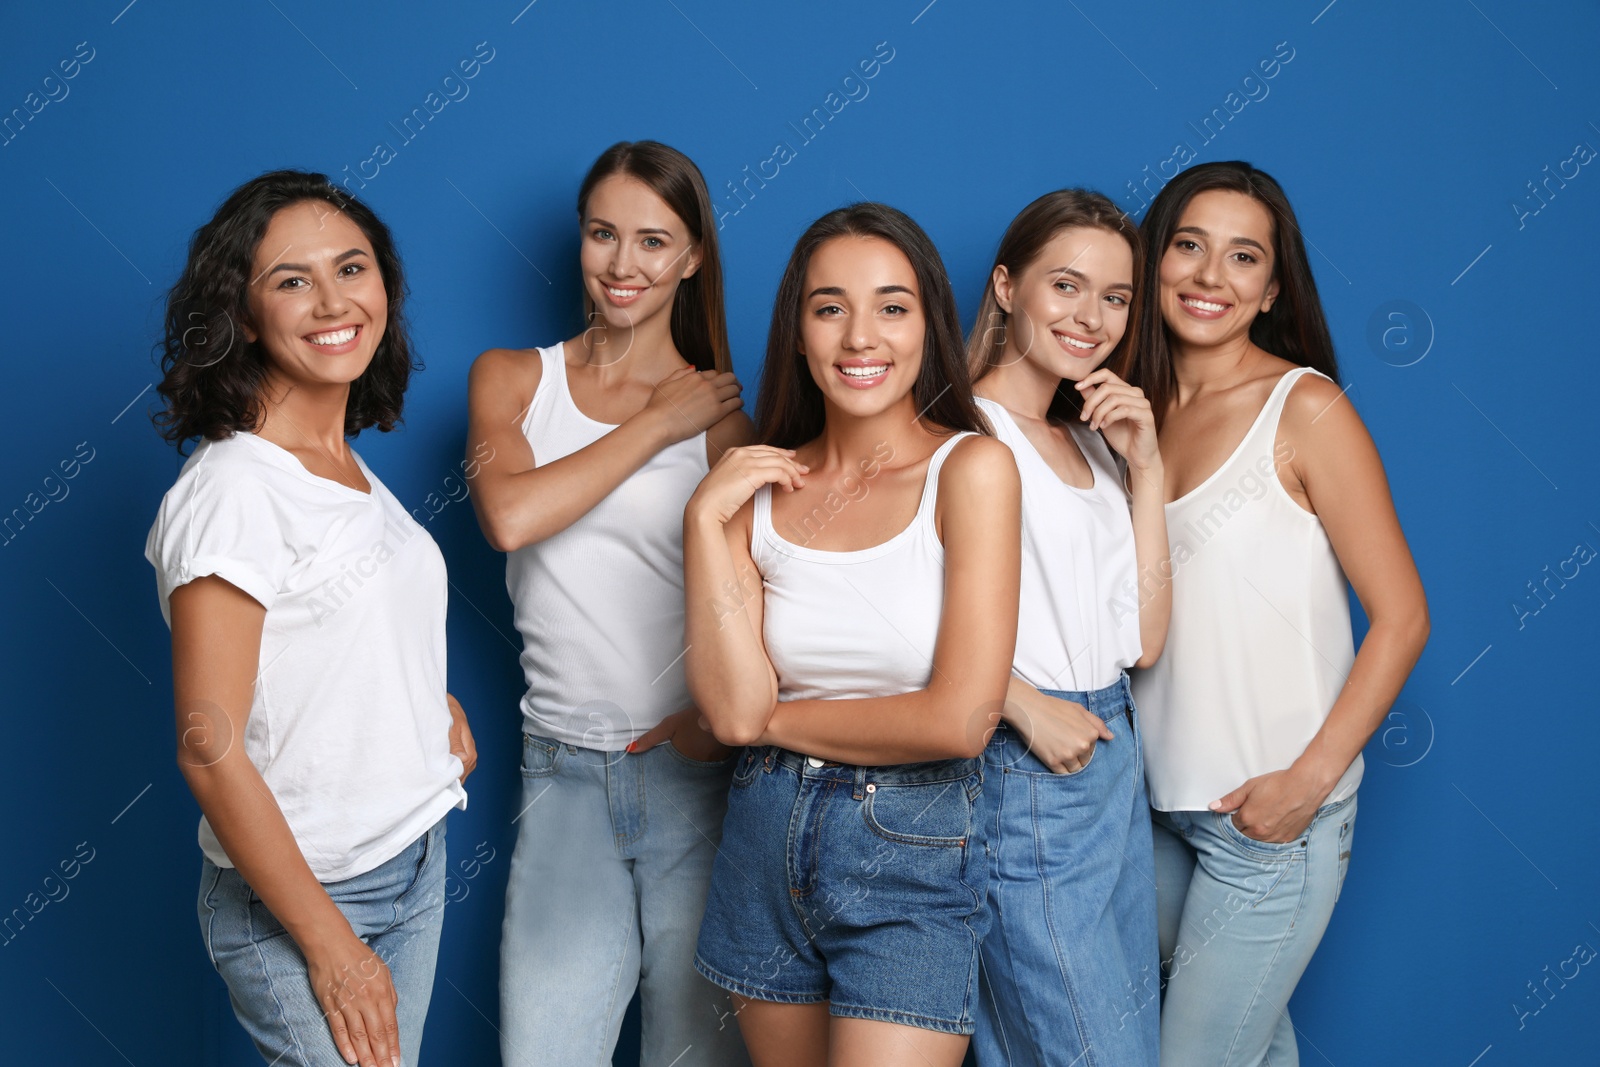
(813, 761)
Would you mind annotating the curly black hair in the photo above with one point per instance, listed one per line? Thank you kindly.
(211, 375)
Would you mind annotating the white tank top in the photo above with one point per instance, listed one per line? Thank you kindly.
(1078, 623)
(1259, 645)
(600, 604)
(852, 624)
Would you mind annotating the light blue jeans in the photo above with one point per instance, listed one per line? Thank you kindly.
(397, 908)
(1070, 966)
(608, 882)
(1239, 921)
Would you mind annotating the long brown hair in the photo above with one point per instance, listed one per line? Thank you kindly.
(1025, 239)
(789, 410)
(699, 324)
(1294, 329)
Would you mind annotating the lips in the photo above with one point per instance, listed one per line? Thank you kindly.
(1203, 307)
(862, 373)
(623, 295)
(336, 341)
(1076, 344)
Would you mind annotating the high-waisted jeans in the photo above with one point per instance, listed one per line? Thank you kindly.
(1070, 966)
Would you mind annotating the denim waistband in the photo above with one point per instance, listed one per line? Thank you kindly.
(1106, 703)
(932, 771)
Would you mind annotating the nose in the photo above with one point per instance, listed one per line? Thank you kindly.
(1208, 272)
(622, 260)
(332, 300)
(1087, 313)
(861, 333)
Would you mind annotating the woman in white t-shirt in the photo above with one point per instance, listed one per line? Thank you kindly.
(1070, 963)
(1256, 714)
(308, 645)
(597, 444)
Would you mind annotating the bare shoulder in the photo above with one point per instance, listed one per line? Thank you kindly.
(505, 367)
(733, 431)
(1316, 403)
(979, 465)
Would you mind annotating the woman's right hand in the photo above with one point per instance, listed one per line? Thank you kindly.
(737, 476)
(1061, 734)
(353, 986)
(690, 401)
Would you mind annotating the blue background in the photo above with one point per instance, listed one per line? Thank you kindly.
(1404, 134)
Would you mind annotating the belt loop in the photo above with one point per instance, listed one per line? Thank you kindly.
(860, 783)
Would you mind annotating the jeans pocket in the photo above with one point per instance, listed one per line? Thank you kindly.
(540, 756)
(1267, 849)
(684, 758)
(749, 762)
(937, 814)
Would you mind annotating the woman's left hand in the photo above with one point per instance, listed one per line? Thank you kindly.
(461, 743)
(1275, 807)
(688, 732)
(1122, 412)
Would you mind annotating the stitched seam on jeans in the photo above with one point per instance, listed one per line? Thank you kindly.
(1050, 922)
(1276, 952)
(603, 1048)
(283, 1014)
(211, 920)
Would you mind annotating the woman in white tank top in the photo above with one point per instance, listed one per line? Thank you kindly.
(1257, 712)
(584, 455)
(855, 630)
(1070, 960)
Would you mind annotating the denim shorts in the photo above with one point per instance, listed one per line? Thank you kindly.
(865, 887)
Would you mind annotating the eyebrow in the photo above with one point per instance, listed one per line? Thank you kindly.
(1082, 277)
(611, 225)
(304, 269)
(836, 290)
(1237, 240)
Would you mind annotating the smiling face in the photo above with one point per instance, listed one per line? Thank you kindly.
(635, 251)
(862, 324)
(1068, 309)
(316, 298)
(1217, 271)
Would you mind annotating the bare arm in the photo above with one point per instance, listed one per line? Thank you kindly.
(1337, 468)
(520, 502)
(730, 675)
(216, 649)
(980, 519)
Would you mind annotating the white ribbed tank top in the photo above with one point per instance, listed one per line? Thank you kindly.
(1078, 622)
(1259, 645)
(853, 624)
(600, 604)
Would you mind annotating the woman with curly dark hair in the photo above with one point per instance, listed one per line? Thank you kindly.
(307, 611)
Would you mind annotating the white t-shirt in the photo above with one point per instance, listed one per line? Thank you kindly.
(349, 725)
(1078, 618)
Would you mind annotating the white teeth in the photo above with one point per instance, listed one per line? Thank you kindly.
(624, 293)
(1074, 342)
(866, 372)
(1204, 305)
(337, 337)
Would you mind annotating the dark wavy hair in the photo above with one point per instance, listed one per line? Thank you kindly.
(789, 410)
(1295, 329)
(1034, 227)
(211, 376)
(699, 325)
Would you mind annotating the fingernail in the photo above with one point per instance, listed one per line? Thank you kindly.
(630, 746)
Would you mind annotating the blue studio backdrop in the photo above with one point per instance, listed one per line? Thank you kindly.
(1438, 155)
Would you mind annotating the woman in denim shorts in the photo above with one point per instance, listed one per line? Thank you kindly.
(856, 632)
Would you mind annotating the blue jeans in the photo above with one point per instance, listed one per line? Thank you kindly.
(608, 882)
(1071, 970)
(1239, 921)
(397, 908)
(859, 886)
